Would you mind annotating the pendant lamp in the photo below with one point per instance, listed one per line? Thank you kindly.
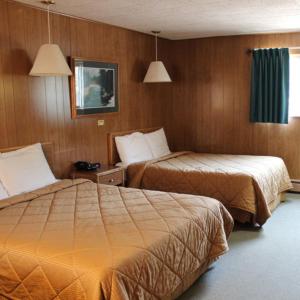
(50, 60)
(157, 71)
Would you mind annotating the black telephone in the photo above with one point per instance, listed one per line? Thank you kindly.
(86, 166)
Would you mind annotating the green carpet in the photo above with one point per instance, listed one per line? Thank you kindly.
(263, 264)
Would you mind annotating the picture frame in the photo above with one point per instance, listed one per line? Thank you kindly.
(93, 87)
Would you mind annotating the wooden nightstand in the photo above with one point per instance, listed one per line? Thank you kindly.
(107, 174)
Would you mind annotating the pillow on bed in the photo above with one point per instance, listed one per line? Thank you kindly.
(133, 148)
(25, 170)
(157, 142)
(3, 193)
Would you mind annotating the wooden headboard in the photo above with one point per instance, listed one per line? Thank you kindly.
(47, 148)
(113, 156)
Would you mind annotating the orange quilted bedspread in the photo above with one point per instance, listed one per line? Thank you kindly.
(245, 182)
(80, 240)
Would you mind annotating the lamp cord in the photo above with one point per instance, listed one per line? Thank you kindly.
(48, 16)
(156, 46)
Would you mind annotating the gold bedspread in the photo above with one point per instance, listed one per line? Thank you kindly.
(79, 240)
(243, 183)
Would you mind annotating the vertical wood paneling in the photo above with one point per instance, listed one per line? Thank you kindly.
(21, 62)
(217, 93)
(229, 98)
(4, 39)
(206, 108)
(7, 102)
(220, 83)
(38, 109)
(203, 91)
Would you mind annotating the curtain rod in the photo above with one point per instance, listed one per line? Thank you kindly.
(253, 49)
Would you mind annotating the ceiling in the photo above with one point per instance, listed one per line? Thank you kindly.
(184, 19)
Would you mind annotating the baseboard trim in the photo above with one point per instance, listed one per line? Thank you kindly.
(296, 186)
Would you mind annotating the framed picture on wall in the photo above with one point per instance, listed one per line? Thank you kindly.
(94, 87)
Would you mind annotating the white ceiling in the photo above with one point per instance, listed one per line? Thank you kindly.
(183, 19)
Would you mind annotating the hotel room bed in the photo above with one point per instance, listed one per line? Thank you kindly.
(249, 186)
(79, 240)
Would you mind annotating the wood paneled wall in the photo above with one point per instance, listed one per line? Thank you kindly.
(206, 108)
(38, 109)
(209, 106)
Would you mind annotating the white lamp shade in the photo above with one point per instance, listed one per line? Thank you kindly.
(157, 73)
(50, 61)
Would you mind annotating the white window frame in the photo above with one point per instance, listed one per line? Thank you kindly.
(294, 88)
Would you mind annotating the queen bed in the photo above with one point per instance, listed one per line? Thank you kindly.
(249, 186)
(74, 239)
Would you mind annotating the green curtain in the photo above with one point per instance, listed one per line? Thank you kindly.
(270, 86)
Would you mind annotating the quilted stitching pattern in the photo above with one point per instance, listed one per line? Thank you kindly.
(89, 241)
(249, 183)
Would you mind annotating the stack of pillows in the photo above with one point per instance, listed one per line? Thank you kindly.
(24, 170)
(137, 147)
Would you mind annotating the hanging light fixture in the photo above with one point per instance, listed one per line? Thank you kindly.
(50, 60)
(157, 71)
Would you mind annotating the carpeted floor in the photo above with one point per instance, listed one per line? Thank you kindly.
(262, 264)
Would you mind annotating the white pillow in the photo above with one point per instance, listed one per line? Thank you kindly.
(25, 170)
(157, 142)
(3, 192)
(133, 148)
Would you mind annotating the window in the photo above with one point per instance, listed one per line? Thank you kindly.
(294, 99)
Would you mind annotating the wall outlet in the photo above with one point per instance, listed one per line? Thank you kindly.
(100, 123)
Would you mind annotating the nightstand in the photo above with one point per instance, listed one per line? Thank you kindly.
(107, 174)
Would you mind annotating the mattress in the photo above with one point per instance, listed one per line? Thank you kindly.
(247, 185)
(79, 240)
